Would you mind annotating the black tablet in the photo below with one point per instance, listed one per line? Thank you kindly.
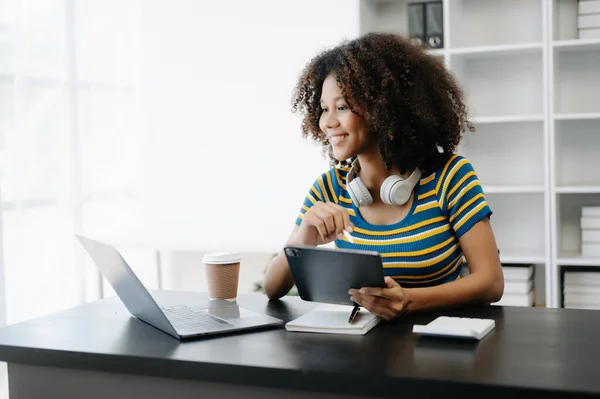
(326, 274)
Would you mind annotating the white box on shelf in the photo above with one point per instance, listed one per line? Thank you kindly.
(590, 211)
(518, 287)
(581, 289)
(517, 299)
(590, 250)
(578, 306)
(582, 279)
(591, 236)
(589, 7)
(590, 222)
(590, 33)
(517, 273)
(588, 21)
(584, 299)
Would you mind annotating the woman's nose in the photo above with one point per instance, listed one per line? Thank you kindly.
(331, 121)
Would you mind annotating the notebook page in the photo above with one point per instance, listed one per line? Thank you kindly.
(334, 317)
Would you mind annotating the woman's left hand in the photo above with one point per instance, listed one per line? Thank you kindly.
(387, 303)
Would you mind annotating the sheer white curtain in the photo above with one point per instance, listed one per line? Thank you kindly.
(69, 135)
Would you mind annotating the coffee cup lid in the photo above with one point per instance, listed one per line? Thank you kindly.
(221, 258)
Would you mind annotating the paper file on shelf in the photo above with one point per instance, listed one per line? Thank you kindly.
(593, 33)
(582, 299)
(518, 287)
(590, 250)
(581, 289)
(517, 299)
(582, 278)
(590, 222)
(517, 273)
(590, 211)
(589, 7)
(591, 236)
(581, 306)
(588, 21)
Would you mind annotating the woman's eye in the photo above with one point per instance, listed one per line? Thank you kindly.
(323, 109)
(342, 108)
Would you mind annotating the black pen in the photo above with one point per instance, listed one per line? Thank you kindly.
(354, 313)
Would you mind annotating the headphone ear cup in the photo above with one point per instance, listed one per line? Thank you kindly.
(359, 193)
(395, 190)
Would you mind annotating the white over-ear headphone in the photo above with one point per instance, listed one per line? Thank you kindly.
(395, 190)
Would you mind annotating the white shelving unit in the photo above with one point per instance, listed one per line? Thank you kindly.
(533, 92)
(574, 110)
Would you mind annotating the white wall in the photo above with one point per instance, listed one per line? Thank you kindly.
(225, 159)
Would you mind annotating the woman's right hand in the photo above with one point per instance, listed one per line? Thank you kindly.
(323, 223)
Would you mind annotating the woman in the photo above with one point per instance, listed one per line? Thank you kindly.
(390, 117)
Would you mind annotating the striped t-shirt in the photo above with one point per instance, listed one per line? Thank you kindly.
(423, 248)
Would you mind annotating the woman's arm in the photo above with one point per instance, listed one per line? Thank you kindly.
(321, 224)
(484, 284)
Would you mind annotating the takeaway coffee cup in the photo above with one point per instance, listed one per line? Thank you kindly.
(222, 274)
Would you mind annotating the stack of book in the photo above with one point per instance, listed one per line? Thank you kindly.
(590, 231)
(588, 19)
(519, 289)
(581, 290)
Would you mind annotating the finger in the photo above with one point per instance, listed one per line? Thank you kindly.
(342, 218)
(338, 218)
(347, 223)
(390, 282)
(394, 293)
(373, 291)
(327, 218)
(378, 306)
(322, 229)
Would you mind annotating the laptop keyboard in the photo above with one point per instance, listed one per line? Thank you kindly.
(186, 318)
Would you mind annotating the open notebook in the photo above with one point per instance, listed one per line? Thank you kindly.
(333, 319)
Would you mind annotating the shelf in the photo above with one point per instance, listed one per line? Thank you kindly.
(491, 189)
(501, 49)
(580, 116)
(575, 259)
(576, 153)
(577, 82)
(522, 258)
(492, 145)
(508, 118)
(498, 22)
(518, 223)
(578, 189)
(506, 85)
(577, 44)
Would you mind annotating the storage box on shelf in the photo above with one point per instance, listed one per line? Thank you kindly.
(590, 231)
(571, 223)
(519, 287)
(588, 19)
(581, 287)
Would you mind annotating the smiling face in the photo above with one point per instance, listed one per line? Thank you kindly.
(346, 131)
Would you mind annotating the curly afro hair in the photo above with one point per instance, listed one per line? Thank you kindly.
(406, 96)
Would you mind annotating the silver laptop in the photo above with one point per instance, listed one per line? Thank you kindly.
(180, 321)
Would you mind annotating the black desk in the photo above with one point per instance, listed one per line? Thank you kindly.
(98, 351)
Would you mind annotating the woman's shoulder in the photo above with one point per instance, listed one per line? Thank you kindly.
(455, 163)
(456, 166)
(331, 182)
